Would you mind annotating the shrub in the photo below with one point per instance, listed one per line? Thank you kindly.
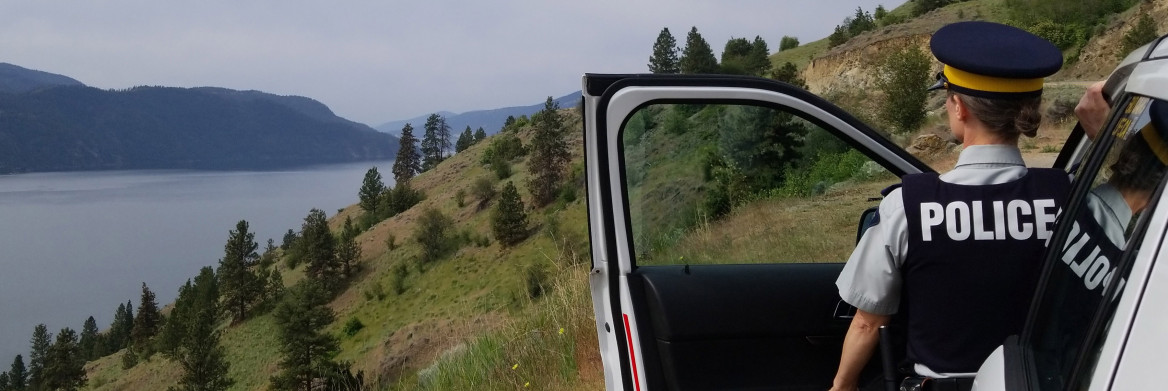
(352, 326)
(460, 198)
(433, 233)
(483, 190)
(904, 78)
(501, 168)
(398, 281)
(535, 279)
(391, 242)
(1143, 32)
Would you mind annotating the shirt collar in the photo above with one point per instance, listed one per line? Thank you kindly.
(991, 154)
(1115, 203)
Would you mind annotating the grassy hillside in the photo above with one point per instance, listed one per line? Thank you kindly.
(476, 301)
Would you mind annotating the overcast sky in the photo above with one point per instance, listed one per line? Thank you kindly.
(378, 61)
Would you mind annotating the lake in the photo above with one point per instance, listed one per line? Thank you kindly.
(76, 244)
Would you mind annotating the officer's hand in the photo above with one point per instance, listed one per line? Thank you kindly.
(1092, 110)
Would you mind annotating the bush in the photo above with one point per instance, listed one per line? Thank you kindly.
(1143, 32)
(391, 242)
(398, 281)
(1064, 36)
(535, 279)
(433, 233)
(483, 190)
(352, 326)
(509, 220)
(904, 78)
(504, 146)
(501, 168)
(460, 198)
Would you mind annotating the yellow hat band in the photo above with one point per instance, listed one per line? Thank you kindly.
(1155, 143)
(977, 82)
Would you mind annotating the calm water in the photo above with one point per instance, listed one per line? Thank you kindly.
(74, 245)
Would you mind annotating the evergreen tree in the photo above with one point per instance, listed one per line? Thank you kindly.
(201, 356)
(4, 385)
(89, 336)
(465, 140)
(146, 324)
(444, 136)
(879, 13)
(409, 162)
(480, 135)
(174, 330)
(758, 61)
(319, 249)
(348, 251)
(508, 123)
(664, 58)
(788, 42)
(433, 151)
(64, 366)
(433, 234)
(238, 282)
(549, 154)
(904, 77)
(39, 354)
(371, 189)
(697, 57)
(860, 22)
(734, 57)
(289, 240)
(120, 329)
(307, 350)
(838, 36)
(508, 219)
(269, 255)
(17, 375)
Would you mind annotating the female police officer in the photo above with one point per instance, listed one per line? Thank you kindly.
(959, 254)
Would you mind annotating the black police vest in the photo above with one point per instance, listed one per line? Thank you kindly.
(974, 257)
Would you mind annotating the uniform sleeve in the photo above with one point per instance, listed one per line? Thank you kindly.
(871, 278)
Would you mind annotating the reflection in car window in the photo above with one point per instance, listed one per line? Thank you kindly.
(1100, 228)
(741, 184)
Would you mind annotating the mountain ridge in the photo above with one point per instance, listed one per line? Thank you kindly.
(491, 120)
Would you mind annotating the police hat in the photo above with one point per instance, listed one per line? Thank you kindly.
(991, 60)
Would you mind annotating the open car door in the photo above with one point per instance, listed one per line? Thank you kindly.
(721, 210)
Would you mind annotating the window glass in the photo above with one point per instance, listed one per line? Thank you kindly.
(1099, 237)
(742, 184)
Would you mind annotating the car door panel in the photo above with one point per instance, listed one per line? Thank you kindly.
(742, 326)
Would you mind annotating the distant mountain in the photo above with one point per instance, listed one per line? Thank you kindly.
(73, 127)
(490, 120)
(15, 79)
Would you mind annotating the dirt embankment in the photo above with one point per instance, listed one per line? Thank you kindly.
(1100, 55)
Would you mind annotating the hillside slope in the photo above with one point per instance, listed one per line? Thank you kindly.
(445, 308)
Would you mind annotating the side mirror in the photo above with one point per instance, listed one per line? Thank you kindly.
(867, 219)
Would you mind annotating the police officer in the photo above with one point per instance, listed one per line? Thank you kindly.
(959, 254)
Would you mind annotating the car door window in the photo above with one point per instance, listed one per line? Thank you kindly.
(1112, 192)
(737, 183)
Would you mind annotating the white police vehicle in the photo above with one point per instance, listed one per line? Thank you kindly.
(684, 301)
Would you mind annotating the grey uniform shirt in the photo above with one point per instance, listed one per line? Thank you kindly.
(871, 279)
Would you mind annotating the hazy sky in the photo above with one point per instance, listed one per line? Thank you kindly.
(377, 61)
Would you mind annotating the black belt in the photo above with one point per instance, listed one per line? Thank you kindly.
(930, 384)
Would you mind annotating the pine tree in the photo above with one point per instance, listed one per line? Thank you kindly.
(348, 251)
(4, 385)
(435, 141)
(308, 351)
(319, 248)
(289, 240)
(508, 123)
(480, 135)
(174, 330)
(465, 140)
(734, 57)
(119, 331)
(371, 189)
(238, 282)
(697, 57)
(664, 58)
(146, 324)
(201, 356)
(408, 162)
(508, 219)
(789, 74)
(89, 338)
(549, 154)
(64, 366)
(37, 357)
(17, 375)
(432, 232)
(758, 60)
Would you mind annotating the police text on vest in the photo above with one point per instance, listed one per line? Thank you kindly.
(1000, 220)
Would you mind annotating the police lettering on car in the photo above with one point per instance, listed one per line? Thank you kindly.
(958, 254)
